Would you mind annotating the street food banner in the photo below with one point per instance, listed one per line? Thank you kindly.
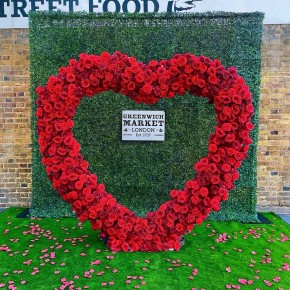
(14, 13)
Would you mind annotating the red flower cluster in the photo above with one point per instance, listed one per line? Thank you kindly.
(216, 173)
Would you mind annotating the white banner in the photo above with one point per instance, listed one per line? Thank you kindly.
(13, 13)
(143, 125)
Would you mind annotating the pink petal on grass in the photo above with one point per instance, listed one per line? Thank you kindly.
(268, 283)
(97, 262)
(286, 267)
(194, 271)
(228, 269)
(2, 285)
(243, 281)
(100, 273)
(276, 279)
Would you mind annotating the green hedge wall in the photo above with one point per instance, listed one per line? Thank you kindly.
(141, 174)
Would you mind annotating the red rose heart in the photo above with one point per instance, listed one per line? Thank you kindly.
(216, 172)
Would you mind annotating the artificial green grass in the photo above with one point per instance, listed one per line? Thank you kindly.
(51, 253)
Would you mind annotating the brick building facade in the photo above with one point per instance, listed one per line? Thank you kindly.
(274, 138)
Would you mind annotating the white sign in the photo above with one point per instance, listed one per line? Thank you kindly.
(14, 13)
(143, 125)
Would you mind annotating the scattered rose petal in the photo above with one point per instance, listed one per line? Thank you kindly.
(243, 281)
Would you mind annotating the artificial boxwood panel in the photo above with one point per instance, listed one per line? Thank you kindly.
(141, 174)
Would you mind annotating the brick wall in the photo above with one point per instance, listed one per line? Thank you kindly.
(274, 140)
(15, 156)
(274, 137)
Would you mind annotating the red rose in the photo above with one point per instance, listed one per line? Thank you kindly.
(199, 220)
(228, 177)
(213, 168)
(174, 86)
(77, 204)
(215, 158)
(70, 77)
(125, 247)
(222, 191)
(182, 197)
(239, 156)
(215, 179)
(160, 230)
(79, 185)
(215, 204)
(170, 223)
(249, 126)
(179, 227)
(230, 138)
(220, 132)
(174, 193)
(236, 175)
(192, 184)
(250, 108)
(131, 86)
(177, 208)
(226, 167)
(212, 148)
(227, 127)
(203, 191)
(86, 190)
(213, 79)
(146, 89)
(227, 111)
(195, 200)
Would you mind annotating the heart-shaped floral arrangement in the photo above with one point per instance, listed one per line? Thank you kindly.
(216, 172)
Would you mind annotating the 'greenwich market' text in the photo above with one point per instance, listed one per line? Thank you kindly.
(143, 125)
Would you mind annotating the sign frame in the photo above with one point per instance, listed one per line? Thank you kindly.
(143, 125)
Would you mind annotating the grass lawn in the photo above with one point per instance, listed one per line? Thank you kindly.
(65, 254)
